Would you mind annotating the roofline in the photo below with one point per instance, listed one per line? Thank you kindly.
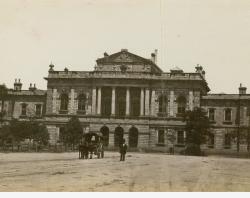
(99, 60)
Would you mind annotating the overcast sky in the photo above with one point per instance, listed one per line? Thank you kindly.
(74, 33)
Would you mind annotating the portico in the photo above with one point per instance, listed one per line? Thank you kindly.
(119, 101)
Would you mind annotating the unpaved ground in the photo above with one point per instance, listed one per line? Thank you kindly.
(140, 172)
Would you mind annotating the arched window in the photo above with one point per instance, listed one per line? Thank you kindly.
(163, 101)
(62, 135)
(181, 102)
(105, 134)
(81, 102)
(161, 136)
(64, 102)
(118, 136)
(133, 137)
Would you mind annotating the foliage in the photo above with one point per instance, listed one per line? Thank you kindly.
(18, 131)
(5, 134)
(3, 91)
(197, 129)
(38, 133)
(73, 131)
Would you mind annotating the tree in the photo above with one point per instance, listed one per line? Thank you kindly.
(73, 132)
(197, 129)
(41, 134)
(18, 131)
(5, 135)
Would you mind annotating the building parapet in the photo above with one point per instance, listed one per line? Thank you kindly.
(127, 75)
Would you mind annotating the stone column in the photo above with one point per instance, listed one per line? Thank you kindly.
(191, 100)
(99, 97)
(127, 102)
(153, 103)
(147, 102)
(142, 102)
(94, 101)
(72, 99)
(171, 103)
(54, 98)
(113, 102)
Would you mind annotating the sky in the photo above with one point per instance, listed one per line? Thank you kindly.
(74, 33)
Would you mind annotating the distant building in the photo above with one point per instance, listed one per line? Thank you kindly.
(24, 104)
(127, 96)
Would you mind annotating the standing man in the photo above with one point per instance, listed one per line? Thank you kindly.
(123, 150)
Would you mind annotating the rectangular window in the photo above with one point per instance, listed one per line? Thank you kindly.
(38, 110)
(228, 115)
(180, 137)
(211, 113)
(210, 141)
(161, 138)
(227, 141)
(23, 109)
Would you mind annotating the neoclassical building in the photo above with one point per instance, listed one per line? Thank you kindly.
(128, 96)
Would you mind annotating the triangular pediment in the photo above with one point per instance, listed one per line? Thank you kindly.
(124, 58)
(127, 58)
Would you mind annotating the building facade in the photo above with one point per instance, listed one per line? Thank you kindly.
(127, 96)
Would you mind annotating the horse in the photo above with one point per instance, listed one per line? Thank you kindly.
(83, 150)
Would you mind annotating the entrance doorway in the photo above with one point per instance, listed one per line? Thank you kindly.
(118, 136)
(133, 137)
(105, 134)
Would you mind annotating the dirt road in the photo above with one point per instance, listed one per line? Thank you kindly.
(140, 172)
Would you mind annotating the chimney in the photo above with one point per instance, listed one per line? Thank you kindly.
(51, 67)
(154, 56)
(242, 90)
(32, 88)
(106, 54)
(17, 85)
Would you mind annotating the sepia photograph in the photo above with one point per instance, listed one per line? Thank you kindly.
(124, 96)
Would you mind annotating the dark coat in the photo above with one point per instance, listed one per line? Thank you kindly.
(123, 148)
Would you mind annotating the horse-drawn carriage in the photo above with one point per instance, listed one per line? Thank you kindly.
(91, 144)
